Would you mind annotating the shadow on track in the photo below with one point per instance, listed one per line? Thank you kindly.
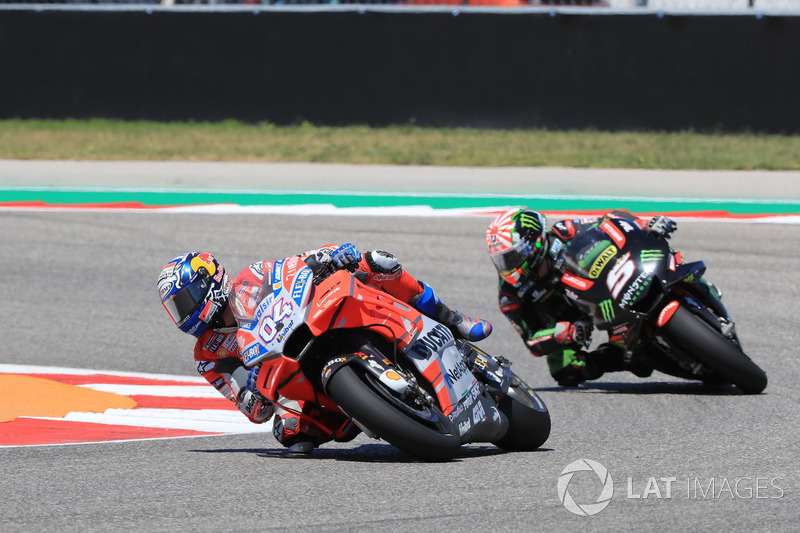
(650, 387)
(365, 453)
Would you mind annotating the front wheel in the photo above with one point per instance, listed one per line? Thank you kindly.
(714, 351)
(528, 418)
(421, 431)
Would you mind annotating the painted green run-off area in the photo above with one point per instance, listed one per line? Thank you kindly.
(163, 198)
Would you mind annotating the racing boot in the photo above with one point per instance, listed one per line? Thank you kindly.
(569, 368)
(611, 358)
(463, 326)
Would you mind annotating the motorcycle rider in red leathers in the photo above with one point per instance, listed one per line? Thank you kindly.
(530, 294)
(195, 290)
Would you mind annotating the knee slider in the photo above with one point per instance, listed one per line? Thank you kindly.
(285, 427)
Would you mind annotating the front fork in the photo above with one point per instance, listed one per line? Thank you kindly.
(403, 384)
(701, 296)
(493, 372)
(704, 299)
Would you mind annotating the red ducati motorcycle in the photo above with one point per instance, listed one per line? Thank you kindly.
(400, 376)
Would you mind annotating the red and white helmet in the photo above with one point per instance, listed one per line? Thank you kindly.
(516, 242)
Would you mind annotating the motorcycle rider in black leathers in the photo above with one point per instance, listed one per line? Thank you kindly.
(532, 298)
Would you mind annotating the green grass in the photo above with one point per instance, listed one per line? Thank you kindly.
(399, 145)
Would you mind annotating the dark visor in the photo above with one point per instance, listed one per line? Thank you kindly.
(187, 300)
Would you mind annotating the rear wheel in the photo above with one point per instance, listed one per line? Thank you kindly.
(528, 418)
(714, 351)
(421, 431)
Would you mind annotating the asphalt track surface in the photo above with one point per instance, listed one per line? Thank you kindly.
(79, 291)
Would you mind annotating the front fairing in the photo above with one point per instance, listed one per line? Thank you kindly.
(463, 399)
(267, 314)
(610, 268)
(434, 353)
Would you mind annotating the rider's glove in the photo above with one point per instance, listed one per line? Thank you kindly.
(346, 257)
(252, 379)
(579, 332)
(255, 406)
(252, 403)
(661, 226)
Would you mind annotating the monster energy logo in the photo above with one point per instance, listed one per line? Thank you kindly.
(607, 308)
(652, 255)
(529, 221)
